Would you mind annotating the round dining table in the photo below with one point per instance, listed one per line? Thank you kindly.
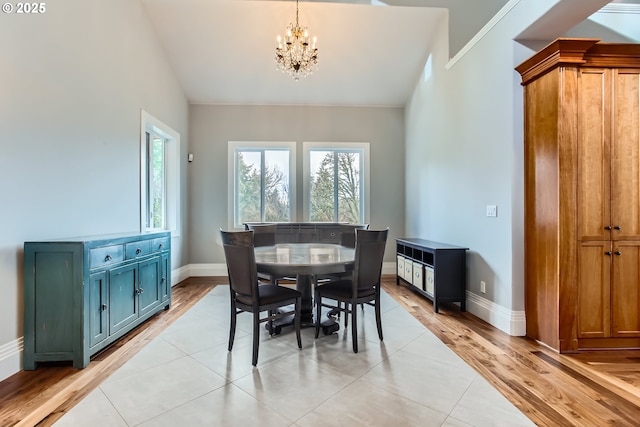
(305, 261)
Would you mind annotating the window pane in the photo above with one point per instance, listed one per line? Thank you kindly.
(263, 183)
(335, 177)
(156, 182)
(248, 166)
(349, 187)
(276, 185)
(322, 185)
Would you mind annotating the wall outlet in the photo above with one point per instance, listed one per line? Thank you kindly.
(483, 287)
(492, 210)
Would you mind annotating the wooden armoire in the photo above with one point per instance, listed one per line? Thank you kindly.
(582, 194)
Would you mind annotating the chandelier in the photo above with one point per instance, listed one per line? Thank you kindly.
(294, 56)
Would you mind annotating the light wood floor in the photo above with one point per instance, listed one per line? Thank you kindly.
(587, 389)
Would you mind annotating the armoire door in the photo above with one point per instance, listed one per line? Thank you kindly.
(594, 289)
(625, 289)
(625, 155)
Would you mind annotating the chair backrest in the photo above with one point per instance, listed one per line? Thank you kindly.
(263, 234)
(367, 268)
(348, 234)
(241, 262)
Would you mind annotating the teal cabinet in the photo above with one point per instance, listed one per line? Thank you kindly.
(82, 295)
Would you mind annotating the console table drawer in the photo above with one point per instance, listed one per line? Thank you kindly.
(138, 249)
(161, 244)
(107, 255)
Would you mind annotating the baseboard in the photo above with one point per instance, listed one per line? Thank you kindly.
(509, 321)
(11, 358)
(180, 274)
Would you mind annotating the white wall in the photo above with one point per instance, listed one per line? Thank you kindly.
(464, 145)
(72, 83)
(211, 127)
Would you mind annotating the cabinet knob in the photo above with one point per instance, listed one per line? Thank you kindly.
(107, 258)
(617, 227)
(163, 279)
(138, 251)
(161, 246)
(618, 253)
(608, 227)
(608, 253)
(141, 290)
(103, 307)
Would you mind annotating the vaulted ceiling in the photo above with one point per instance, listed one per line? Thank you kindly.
(370, 52)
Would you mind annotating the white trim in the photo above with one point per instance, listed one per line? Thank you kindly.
(483, 32)
(509, 321)
(620, 8)
(172, 165)
(180, 274)
(231, 179)
(11, 358)
(213, 269)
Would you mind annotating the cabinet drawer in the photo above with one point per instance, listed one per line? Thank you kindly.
(160, 244)
(429, 280)
(138, 249)
(400, 266)
(107, 255)
(417, 277)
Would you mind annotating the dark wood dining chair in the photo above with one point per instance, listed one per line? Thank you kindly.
(248, 296)
(264, 234)
(348, 234)
(363, 287)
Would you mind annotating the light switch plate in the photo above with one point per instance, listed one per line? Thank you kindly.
(492, 210)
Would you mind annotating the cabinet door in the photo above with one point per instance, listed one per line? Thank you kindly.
(594, 284)
(625, 156)
(165, 283)
(97, 310)
(625, 292)
(149, 285)
(593, 150)
(123, 301)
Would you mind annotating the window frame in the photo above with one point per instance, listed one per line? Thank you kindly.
(151, 125)
(364, 147)
(232, 181)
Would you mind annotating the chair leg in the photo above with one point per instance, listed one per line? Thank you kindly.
(297, 321)
(346, 313)
(256, 338)
(378, 318)
(318, 300)
(270, 322)
(232, 328)
(354, 326)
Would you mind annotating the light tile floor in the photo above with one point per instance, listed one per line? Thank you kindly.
(186, 377)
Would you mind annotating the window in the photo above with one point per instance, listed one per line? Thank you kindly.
(156, 188)
(159, 176)
(263, 187)
(336, 182)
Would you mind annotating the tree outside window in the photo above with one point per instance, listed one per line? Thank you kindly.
(262, 185)
(335, 185)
